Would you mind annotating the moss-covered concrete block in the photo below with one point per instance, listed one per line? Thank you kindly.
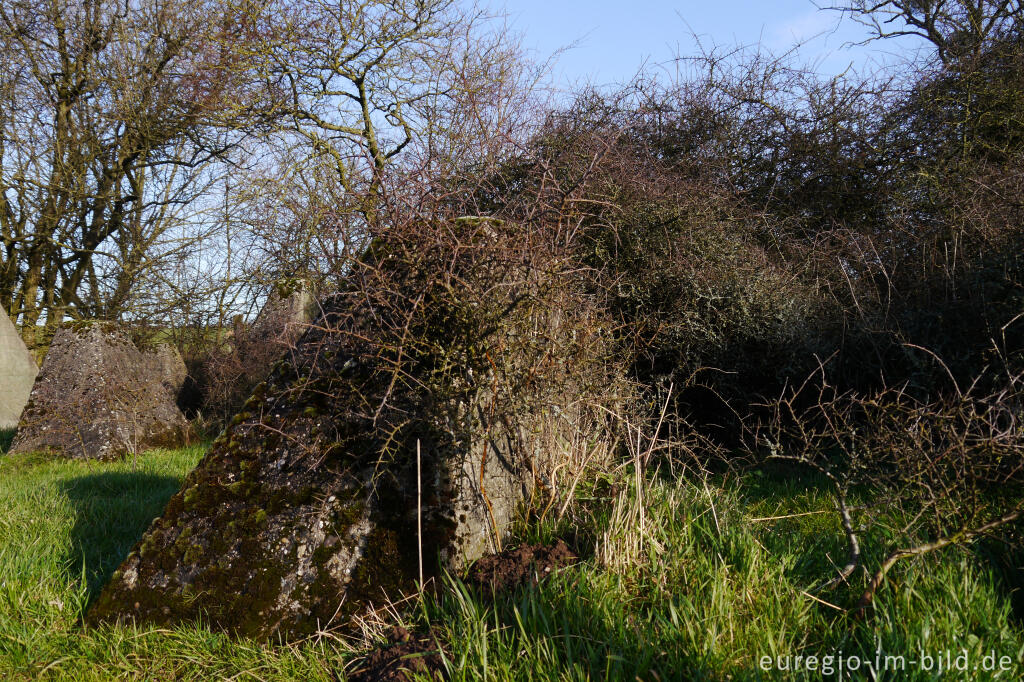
(372, 443)
(98, 396)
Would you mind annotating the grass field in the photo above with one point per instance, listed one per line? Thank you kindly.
(694, 588)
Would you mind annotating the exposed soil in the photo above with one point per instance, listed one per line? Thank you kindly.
(511, 568)
(405, 655)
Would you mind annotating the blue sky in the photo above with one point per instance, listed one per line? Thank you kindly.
(613, 38)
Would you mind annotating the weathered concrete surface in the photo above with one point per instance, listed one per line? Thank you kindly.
(17, 373)
(98, 396)
(165, 362)
(286, 314)
(225, 376)
(306, 508)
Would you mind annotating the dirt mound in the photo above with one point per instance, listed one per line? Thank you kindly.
(98, 396)
(511, 568)
(404, 655)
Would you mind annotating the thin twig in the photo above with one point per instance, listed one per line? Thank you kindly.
(789, 516)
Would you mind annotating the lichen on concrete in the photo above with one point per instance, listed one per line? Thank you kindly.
(97, 396)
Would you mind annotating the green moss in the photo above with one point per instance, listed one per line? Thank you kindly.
(175, 506)
(286, 286)
(240, 417)
(384, 569)
(82, 327)
(147, 546)
(473, 222)
(256, 398)
(239, 488)
(193, 555)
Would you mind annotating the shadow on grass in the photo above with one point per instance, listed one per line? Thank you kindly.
(1004, 556)
(572, 633)
(780, 480)
(6, 438)
(112, 511)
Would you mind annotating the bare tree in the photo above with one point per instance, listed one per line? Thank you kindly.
(112, 115)
(361, 82)
(374, 102)
(369, 107)
(957, 28)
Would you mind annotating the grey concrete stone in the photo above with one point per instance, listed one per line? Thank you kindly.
(164, 361)
(17, 373)
(289, 309)
(98, 396)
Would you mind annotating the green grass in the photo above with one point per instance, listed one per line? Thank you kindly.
(6, 438)
(64, 527)
(709, 592)
(693, 588)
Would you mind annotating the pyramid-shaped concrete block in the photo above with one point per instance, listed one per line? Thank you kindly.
(286, 314)
(98, 396)
(338, 480)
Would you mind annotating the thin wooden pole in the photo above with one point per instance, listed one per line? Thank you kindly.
(419, 510)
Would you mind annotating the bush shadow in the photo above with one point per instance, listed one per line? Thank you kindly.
(112, 511)
(1004, 558)
(582, 637)
(6, 438)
